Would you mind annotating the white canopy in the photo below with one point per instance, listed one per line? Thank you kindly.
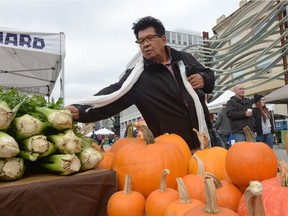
(216, 105)
(31, 61)
(280, 94)
(104, 131)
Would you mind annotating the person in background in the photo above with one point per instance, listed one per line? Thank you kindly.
(223, 124)
(239, 112)
(169, 100)
(263, 121)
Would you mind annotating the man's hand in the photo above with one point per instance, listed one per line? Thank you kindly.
(74, 112)
(196, 81)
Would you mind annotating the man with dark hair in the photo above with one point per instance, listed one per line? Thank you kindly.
(169, 101)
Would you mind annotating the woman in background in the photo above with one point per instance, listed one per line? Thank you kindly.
(263, 121)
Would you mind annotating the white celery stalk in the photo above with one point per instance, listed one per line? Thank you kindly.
(11, 169)
(59, 119)
(8, 146)
(89, 158)
(26, 126)
(63, 164)
(35, 147)
(67, 142)
(7, 115)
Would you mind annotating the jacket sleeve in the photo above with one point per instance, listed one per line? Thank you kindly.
(206, 73)
(89, 114)
(233, 112)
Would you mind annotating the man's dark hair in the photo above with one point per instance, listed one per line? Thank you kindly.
(146, 22)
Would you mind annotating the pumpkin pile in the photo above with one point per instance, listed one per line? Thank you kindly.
(237, 181)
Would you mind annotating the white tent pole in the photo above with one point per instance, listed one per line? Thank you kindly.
(62, 90)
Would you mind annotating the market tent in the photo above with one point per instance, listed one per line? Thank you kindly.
(216, 105)
(279, 95)
(31, 61)
(104, 131)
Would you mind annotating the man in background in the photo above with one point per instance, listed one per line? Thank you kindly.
(239, 112)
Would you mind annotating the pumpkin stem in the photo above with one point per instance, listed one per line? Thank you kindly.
(216, 181)
(184, 196)
(248, 134)
(253, 199)
(283, 168)
(203, 139)
(147, 134)
(211, 197)
(130, 132)
(200, 165)
(163, 185)
(127, 184)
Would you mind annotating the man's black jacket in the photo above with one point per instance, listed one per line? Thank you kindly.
(163, 100)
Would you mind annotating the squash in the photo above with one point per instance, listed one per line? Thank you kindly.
(179, 142)
(106, 162)
(228, 194)
(145, 159)
(125, 140)
(274, 194)
(181, 206)
(250, 161)
(213, 158)
(211, 207)
(126, 202)
(159, 199)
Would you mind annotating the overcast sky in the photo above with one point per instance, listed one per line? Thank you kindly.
(98, 36)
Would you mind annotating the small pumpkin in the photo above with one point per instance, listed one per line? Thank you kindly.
(106, 162)
(126, 202)
(185, 203)
(213, 158)
(248, 161)
(211, 207)
(159, 199)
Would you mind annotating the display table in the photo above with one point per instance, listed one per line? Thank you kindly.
(81, 194)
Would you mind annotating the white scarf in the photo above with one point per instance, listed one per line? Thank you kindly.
(103, 100)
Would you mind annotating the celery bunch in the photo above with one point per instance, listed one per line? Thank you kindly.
(11, 169)
(89, 158)
(36, 147)
(63, 164)
(7, 115)
(67, 142)
(26, 126)
(8, 146)
(59, 119)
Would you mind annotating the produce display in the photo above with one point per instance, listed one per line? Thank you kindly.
(216, 177)
(40, 135)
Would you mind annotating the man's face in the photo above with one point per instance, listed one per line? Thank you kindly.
(240, 91)
(151, 45)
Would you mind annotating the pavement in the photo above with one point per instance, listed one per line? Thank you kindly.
(280, 151)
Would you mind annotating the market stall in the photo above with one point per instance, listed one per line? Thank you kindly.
(84, 194)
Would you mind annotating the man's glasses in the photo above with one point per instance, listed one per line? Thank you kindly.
(148, 38)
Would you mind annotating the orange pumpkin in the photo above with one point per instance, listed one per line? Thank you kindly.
(126, 202)
(213, 159)
(145, 159)
(179, 142)
(185, 203)
(106, 162)
(274, 194)
(228, 194)
(250, 161)
(159, 199)
(125, 140)
(211, 207)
